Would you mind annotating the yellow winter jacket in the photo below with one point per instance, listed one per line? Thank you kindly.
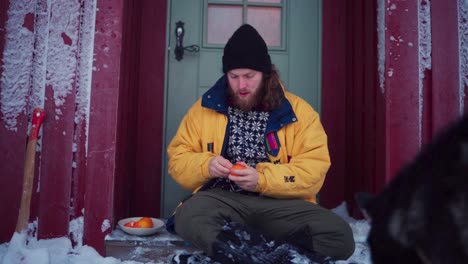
(295, 139)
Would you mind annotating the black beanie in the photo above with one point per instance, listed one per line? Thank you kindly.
(246, 49)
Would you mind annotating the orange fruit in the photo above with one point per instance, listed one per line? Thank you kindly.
(145, 222)
(237, 166)
(130, 224)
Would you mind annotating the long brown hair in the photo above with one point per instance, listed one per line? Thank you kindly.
(272, 92)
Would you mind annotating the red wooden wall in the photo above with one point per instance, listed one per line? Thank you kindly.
(417, 108)
(54, 162)
(334, 84)
(111, 169)
(76, 165)
(445, 75)
(385, 126)
(105, 86)
(11, 157)
(150, 108)
(350, 88)
(141, 110)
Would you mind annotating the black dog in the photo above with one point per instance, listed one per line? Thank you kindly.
(422, 214)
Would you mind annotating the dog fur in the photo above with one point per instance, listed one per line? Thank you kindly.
(422, 214)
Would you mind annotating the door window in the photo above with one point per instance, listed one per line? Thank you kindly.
(222, 18)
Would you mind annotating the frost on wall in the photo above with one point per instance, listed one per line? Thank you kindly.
(381, 43)
(85, 52)
(41, 29)
(17, 63)
(86, 60)
(56, 53)
(463, 50)
(425, 50)
(62, 58)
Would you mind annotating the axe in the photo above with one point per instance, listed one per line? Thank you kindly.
(28, 176)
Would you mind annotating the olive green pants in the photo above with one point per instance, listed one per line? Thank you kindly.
(201, 218)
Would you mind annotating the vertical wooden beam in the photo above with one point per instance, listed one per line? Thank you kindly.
(140, 132)
(80, 137)
(103, 123)
(362, 94)
(57, 142)
(150, 108)
(350, 84)
(355, 100)
(12, 149)
(334, 86)
(402, 95)
(445, 58)
(373, 107)
(78, 170)
(124, 192)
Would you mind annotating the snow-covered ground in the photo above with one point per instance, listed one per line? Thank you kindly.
(24, 248)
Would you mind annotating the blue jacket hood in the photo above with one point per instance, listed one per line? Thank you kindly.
(216, 98)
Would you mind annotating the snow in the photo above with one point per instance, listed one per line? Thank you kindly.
(41, 27)
(381, 43)
(463, 43)
(17, 63)
(25, 248)
(57, 54)
(85, 67)
(62, 50)
(105, 225)
(361, 230)
(425, 49)
(76, 231)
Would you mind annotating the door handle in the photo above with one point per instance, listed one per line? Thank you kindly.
(179, 49)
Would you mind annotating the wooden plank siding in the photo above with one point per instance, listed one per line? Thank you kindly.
(373, 131)
(446, 97)
(141, 110)
(150, 109)
(124, 192)
(334, 86)
(402, 95)
(361, 97)
(101, 158)
(351, 100)
(57, 139)
(12, 149)
(66, 185)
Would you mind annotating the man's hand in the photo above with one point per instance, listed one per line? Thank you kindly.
(246, 178)
(219, 167)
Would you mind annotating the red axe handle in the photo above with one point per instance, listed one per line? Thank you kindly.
(28, 176)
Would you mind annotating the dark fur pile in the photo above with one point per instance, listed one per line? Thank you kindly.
(422, 214)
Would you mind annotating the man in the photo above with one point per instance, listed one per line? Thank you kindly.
(248, 118)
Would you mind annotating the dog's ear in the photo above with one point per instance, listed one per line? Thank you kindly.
(363, 201)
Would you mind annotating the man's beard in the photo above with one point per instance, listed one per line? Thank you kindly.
(243, 104)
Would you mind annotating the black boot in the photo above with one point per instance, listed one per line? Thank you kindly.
(185, 258)
(237, 243)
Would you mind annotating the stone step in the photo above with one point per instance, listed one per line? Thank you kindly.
(154, 248)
